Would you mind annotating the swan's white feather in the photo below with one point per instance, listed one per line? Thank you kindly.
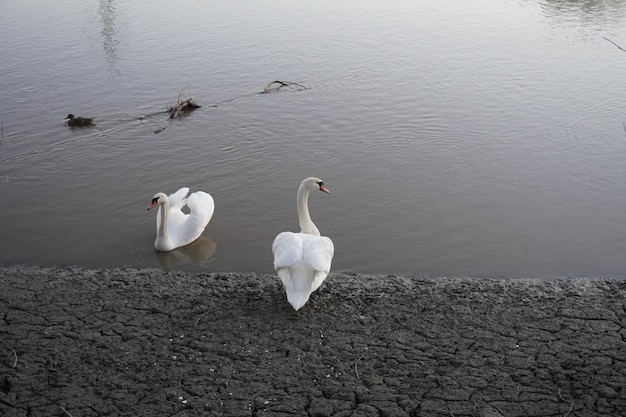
(302, 262)
(183, 228)
(287, 249)
(177, 200)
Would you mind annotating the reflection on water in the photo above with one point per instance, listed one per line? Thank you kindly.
(196, 253)
(594, 12)
(110, 41)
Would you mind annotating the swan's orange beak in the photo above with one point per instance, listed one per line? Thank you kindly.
(154, 203)
(323, 188)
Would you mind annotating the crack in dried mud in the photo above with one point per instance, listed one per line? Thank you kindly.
(147, 342)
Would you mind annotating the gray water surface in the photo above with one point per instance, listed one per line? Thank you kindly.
(457, 138)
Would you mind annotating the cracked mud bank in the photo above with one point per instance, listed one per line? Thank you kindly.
(130, 342)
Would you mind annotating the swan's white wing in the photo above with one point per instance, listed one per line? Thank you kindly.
(318, 255)
(287, 249)
(185, 228)
(302, 262)
(201, 206)
(318, 252)
(177, 200)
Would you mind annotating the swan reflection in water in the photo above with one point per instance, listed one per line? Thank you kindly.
(195, 253)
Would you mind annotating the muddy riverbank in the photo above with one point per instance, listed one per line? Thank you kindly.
(126, 342)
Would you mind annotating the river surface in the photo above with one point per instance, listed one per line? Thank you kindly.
(481, 138)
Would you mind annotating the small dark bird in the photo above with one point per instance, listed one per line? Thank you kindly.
(74, 121)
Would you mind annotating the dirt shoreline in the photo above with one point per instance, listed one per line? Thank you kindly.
(127, 342)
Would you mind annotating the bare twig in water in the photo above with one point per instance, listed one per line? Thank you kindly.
(180, 94)
(614, 43)
(282, 84)
(356, 371)
(1, 133)
(571, 405)
(65, 411)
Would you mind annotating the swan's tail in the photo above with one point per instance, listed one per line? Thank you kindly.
(298, 299)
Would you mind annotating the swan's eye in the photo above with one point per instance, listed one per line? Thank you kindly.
(323, 187)
(155, 200)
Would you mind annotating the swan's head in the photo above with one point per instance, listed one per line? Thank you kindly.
(315, 183)
(159, 198)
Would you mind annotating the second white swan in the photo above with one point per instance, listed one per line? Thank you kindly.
(302, 260)
(176, 228)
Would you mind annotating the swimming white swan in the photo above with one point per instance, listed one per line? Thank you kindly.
(302, 260)
(176, 228)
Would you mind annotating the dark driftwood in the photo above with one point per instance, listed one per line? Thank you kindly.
(282, 84)
(185, 107)
(180, 109)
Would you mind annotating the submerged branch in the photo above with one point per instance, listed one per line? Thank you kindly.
(282, 84)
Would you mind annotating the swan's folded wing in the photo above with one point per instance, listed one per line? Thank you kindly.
(318, 252)
(287, 249)
(176, 215)
(177, 200)
(188, 227)
(201, 208)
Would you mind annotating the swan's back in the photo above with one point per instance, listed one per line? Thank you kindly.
(302, 262)
(184, 228)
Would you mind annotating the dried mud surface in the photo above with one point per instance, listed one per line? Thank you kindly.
(128, 342)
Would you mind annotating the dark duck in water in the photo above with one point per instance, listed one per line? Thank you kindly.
(74, 121)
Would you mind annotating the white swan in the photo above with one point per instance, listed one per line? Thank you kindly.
(176, 228)
(302, 260)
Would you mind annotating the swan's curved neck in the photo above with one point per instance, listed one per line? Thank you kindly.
(304, 218)
(162, 232)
